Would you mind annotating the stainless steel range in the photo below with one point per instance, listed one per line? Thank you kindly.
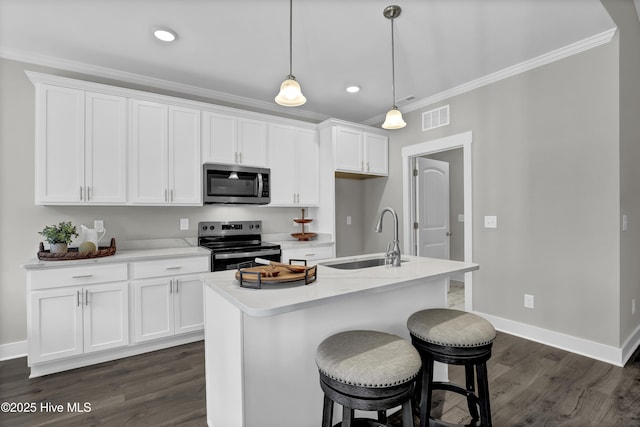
(232, 243)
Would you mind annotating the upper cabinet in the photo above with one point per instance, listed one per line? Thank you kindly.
(294, 163)
(233, 140)
(165, 155)
(81, 143)
(357, 149)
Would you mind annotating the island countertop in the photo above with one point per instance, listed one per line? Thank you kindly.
(331, 283)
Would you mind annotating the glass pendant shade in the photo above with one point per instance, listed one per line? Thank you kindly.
(290, 93)
(394, 119)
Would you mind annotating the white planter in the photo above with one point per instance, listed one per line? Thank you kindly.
(58, 248)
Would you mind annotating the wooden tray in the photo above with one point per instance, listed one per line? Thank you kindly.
(252, 277)
(73, 254)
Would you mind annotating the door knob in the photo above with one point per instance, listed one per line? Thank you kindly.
(448, 233)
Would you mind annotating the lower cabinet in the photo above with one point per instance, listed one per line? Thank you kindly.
(76, 320)
(167, 306)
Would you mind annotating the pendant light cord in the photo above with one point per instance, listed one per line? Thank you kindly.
(291, 38)
(393, 66)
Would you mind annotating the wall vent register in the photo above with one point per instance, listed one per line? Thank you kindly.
(435, 118)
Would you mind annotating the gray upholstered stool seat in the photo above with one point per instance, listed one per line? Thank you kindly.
(459, 338)
(367, 370)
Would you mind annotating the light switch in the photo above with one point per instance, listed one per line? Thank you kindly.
(460, 217)
(184, 223)
(625, 223)
(348, 219)
(490, 221)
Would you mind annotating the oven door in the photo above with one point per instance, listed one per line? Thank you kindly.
(230, 260)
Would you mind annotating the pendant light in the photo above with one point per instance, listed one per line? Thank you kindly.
(393, 119)
(290, 93)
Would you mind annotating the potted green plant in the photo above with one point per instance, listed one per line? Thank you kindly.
(59, 236)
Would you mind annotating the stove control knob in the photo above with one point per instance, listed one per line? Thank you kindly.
(251, 226)
(204, 227)
(211, 227)
(257, 225)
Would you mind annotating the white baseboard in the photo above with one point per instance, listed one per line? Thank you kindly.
(605, 353)
(13, 350)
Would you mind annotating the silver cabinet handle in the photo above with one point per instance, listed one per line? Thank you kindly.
(171, 195)
(171, 286)
(176, 281)
(165, 195)
(175, 267)
(367, 166)
(81, 192)
(78, 298)
(240, 157)
(82, 276)
(88, 193)
(86, 297)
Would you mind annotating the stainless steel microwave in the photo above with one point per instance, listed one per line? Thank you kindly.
(235, 184)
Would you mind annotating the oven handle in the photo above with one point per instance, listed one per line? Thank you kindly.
(248, 254)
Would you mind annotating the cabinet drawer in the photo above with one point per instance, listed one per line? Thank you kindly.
(311, 253)
(169, 267)
(82, 275)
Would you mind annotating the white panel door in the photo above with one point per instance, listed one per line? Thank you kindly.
(59, 145)
(348, 150)
(106, 149)
(432, 202)
(219, 137)
(252, 142)
(56, 324)
(376, 149)
(149, 163)
(106, 316)
(307, 167)
(185, 168)
(188, 304)
(282, 159)
(153, 309)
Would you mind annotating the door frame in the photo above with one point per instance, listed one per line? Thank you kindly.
(461, 140)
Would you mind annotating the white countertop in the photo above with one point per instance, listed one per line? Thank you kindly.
(331, 283)
(138, 250)
(287, 242)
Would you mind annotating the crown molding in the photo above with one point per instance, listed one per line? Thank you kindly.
(547, 58)
(110, 73)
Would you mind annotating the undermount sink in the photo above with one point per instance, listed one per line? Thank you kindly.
(361, 263)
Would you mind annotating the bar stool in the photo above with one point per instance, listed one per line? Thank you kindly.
(369, 371)
(458, 338)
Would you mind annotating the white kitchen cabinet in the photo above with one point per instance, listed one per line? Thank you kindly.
(294, 163)
(81, 145)
(165, 155)
(75, 320)
(233, 140)
(310, 253)
(167, 297)
(361, 152)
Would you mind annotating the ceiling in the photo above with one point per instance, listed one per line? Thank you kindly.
(237, 51)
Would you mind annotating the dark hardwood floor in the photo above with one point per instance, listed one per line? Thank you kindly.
(531, 385)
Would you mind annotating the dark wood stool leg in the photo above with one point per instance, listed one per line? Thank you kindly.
(347, 416)
(407, 414)
(382, 416)
(471, 390)
(427, 385)
(483, 394)
(327, 412)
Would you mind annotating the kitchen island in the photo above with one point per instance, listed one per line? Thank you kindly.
(260, 343)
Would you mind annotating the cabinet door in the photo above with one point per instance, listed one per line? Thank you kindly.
(252, 142)
(59, 145)
(348, 150)
(55, 324)
(307, 167)
(188, 304)
(185, 169)
(376, 151)
(153, 309)
(106, 316)
(282, 162)
(219, 136)
(105, 145)
(149, 164)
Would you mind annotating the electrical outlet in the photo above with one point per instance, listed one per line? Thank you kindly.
(98, 225)
(528, 301)
(184, 223)
(348, 219)
(633, 306)
(490, 221)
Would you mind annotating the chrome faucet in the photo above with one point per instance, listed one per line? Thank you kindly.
(392, 255)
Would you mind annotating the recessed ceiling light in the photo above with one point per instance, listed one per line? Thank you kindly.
(164, 34)
(353, 89)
